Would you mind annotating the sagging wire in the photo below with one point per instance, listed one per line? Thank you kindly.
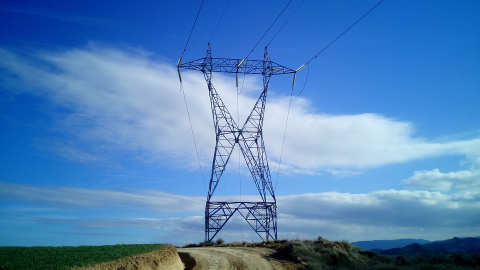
(264, 34)
(219, 20)
(193, 136)
(281, 28)
(188, 39)
(285, 133)
(343, 33)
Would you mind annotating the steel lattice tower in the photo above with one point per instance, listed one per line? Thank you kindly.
(260, 215)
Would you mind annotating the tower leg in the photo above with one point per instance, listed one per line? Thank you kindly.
(262, 215)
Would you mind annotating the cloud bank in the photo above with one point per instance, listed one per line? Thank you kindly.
(127, 101)
(383, 214)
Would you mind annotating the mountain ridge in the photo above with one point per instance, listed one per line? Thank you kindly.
(379, 245)
(467, 246)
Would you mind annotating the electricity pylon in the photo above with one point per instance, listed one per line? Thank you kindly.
(260, 215)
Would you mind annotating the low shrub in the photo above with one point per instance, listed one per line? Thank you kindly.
(220, 241)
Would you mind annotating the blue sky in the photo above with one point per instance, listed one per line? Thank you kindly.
(382, 142)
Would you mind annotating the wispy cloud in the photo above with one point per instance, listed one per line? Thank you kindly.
(402, 208)
(380, 214)
(57, 15)
(156, 201)
(124, 101)
(169, 225)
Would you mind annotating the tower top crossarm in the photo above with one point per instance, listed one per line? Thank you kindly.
(228, 65)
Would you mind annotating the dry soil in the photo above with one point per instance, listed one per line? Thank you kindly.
(200, 258)
(224, 258)
(163, 259)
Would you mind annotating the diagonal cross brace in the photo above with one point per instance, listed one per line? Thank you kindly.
(249, 138)
(261, 216)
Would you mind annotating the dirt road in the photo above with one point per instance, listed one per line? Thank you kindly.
(233, 258)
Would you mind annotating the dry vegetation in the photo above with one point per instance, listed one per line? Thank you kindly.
(306, 254)
(325, 255)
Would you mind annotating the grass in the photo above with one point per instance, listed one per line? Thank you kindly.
(12, 258)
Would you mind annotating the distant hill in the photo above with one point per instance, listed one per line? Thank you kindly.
(467, 246)
(379, 245)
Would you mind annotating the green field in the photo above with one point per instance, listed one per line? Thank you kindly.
(12, 258)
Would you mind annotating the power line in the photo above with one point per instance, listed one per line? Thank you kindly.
(193, 136)
(306, 79)
(285, 133)
(339, 36)
(191, 31)
(281, 28)
(305, 83)
(219, 20)
(243, 83)
(239, 152)
(269, 28)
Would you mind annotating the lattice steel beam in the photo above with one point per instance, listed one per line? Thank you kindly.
(261, 215)
(228, 65)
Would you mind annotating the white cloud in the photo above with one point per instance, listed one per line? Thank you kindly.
(463, 187)
(124, 102)
(363, 140)
(467, 180)
(174, 225)
(383, 214)
(61, 197)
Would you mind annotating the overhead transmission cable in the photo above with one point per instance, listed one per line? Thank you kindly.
(193, 136)
(219, 20)
(284, 135)
(305, 83)
(281, 28)
(191, 31)
(239, 164)
(339, 36)
(308, 72)
(264, 34)
(185, 98)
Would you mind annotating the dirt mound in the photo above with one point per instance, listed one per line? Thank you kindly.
(166, 259)
(224, 258)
